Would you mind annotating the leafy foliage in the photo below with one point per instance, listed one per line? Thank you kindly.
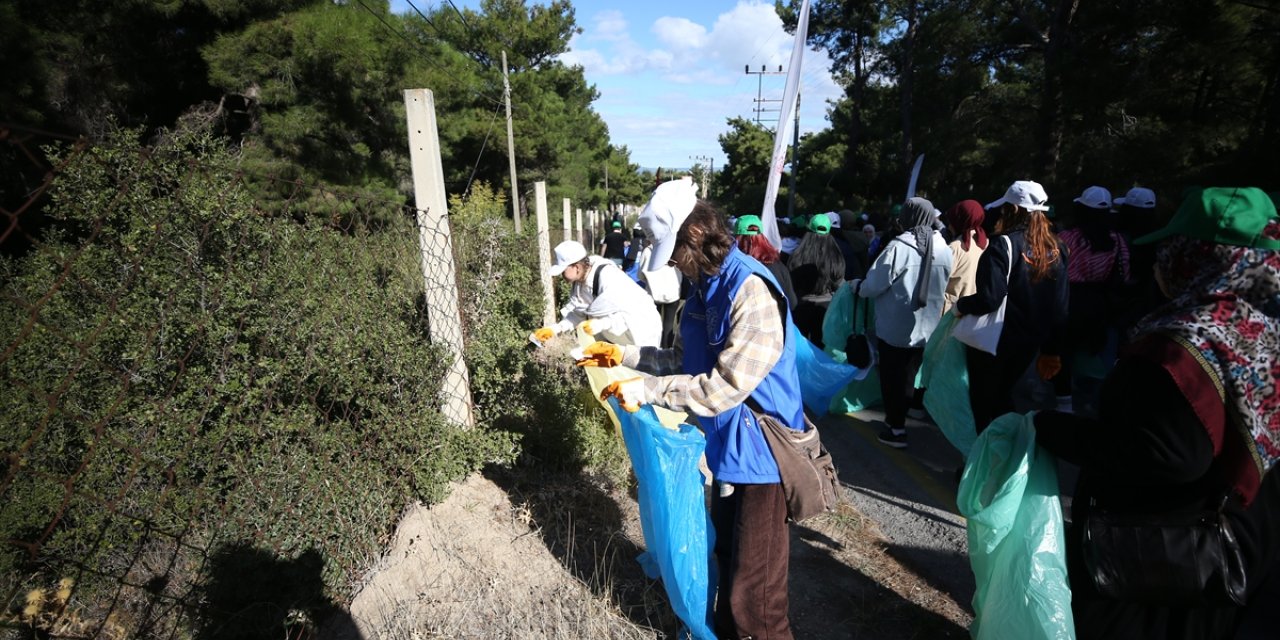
(188, 371)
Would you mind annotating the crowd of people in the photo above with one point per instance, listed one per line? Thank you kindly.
(1159, 341)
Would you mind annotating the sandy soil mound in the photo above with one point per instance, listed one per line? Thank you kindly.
(474, 567)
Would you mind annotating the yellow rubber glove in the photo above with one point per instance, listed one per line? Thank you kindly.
(601, 354)
(629, 392)
(585, 327)
(544, 334)
(1048, 366)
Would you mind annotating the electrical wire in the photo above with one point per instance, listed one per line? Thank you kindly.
(492, 121)
(426, 53)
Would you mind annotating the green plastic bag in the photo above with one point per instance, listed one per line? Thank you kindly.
(1009, 494)
(863, 392)
(945, 373)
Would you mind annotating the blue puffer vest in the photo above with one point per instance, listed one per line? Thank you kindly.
(736, 448)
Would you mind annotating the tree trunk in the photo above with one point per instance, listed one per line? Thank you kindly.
(905, 80)
(1051, 110)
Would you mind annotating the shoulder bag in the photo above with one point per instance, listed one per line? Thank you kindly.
(809, 479)
(1188, 560)
(983, 332)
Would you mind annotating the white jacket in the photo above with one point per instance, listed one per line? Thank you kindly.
(622, 313)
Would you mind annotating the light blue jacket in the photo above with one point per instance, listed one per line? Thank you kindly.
(891, 281)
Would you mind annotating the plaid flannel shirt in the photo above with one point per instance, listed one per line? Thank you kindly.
(752, 348)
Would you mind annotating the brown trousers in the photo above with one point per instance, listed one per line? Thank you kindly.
(752, 552)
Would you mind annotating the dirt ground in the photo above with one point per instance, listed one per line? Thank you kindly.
(554, 558)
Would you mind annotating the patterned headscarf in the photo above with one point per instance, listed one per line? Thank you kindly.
(1227, 311)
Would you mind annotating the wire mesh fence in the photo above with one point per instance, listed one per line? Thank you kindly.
(209, 375)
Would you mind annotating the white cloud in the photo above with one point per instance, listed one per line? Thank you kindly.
(680, 33)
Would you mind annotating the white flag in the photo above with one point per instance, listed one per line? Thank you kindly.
(781, 139)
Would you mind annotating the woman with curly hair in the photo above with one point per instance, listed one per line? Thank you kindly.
(1035, 315)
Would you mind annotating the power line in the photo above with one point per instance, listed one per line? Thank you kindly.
(493, 120)
(426, 53)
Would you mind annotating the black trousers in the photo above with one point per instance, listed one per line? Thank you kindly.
(992, 379)
(898, 367)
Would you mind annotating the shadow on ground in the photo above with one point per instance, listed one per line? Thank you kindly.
(253, 594)
(831, 600)
(582, 525)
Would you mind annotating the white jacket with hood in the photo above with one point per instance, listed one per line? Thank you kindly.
(622, 313)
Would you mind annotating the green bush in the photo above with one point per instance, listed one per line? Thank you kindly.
(186, 371)
(516, 387)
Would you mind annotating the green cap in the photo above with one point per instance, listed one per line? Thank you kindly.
(748, 225)
(1225, 215)
(820, 224)
(617, 225)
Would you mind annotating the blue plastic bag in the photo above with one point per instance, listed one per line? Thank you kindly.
(945, 373)
(673, 515)
(1009, 494)
(821, 378)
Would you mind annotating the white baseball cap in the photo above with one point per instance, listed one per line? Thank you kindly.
(835, 219)
(567, 253)
(1095, 198)
(662, 217)
(1027, 194)
(1139, 197)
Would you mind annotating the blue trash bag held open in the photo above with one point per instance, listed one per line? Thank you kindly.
(821, 378)
(677, 529)
(945, 373)
(1009, 494)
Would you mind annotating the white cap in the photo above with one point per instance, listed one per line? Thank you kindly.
(670, 206)
(567, 253)
(1139, 197)
(1026, 194)
(1095, 198)
(835, 219)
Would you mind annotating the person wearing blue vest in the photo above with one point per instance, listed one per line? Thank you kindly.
(733, 359)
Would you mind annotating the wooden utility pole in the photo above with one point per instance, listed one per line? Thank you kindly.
(436, 245)
(544, 253)
(511, 145)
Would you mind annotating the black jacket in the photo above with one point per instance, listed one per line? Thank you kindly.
(1036, 314)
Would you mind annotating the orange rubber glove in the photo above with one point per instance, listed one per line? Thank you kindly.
(629, 392)
(1048, 366)
(601, 354)
(544, 334)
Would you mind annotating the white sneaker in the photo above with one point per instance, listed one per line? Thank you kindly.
(1064, 404)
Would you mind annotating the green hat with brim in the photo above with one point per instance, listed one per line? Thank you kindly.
(748, 225)
(1225, 215)
(820, 225)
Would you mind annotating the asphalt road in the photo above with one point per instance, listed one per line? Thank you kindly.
(910, 493)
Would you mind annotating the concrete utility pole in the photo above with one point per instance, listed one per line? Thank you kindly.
(439, 278)
(707, 173)
(606, 187)
(544, 253)
(760, 100)
(511, 145)
(795, 162)
(564, 217)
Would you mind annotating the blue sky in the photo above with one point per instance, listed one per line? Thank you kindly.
(671, 73)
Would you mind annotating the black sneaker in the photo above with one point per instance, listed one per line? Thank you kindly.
(889, 437)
